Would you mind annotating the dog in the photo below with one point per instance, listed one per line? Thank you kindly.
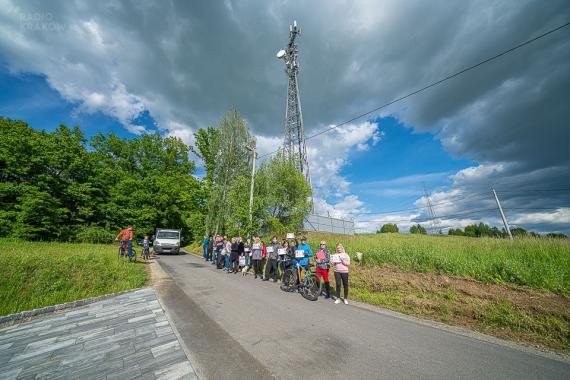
(244, 270)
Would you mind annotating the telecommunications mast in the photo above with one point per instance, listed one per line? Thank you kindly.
(295, 146)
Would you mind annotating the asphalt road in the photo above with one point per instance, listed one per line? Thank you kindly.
(245, 328)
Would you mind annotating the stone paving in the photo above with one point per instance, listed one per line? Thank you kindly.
(124, 337)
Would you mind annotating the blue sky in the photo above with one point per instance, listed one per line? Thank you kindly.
(29, 97)
(176, 68)
(397, 166)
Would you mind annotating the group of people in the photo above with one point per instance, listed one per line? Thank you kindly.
(234, 255)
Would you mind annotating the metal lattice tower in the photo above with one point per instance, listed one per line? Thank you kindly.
(295, 146)
(431, 212)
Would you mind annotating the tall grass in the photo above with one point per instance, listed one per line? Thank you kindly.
(36, 274)
(537, 263)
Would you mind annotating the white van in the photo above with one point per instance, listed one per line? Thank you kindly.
(167, 241)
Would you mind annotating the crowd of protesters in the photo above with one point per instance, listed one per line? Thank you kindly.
(271, 260)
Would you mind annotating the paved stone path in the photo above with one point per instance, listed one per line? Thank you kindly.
(127, 336)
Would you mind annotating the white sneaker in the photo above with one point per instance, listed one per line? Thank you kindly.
(337, 301)
(345, 301)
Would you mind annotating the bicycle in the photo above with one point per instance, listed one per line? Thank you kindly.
(124, 251)
(310, 286)
(145, 253)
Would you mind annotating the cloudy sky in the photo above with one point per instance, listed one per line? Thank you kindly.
(175, 66)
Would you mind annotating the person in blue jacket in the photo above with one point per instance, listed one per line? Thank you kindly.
(205, 243)
(304, 261)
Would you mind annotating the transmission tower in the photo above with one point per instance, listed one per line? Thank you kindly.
(430, 211)
(295, 146)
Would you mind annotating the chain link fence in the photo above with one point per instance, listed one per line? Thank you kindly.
(322, 223)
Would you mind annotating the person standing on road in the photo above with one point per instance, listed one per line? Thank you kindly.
(292, 250)
(228, 253)
(257, 256)
(215, 251)
(272, 251)
(241, 250)
(126, 236)
(210, 248)
(341, 273)
(205, 242)
(322, 259)
(304, 261)
(219, 255)
(234, 255)
(286, 259)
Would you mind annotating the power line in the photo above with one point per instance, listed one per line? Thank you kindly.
(428, 220)
(433, 84)
(454, 201)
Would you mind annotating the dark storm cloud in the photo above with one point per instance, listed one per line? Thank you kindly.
(188, 62)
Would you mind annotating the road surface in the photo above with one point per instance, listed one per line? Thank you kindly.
(245, 328)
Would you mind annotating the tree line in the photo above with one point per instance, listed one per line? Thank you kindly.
(62, 186)
(473, 230)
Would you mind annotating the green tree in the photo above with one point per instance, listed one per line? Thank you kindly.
(389, 228)
(283, 195)
(231, 161)
(418, 229)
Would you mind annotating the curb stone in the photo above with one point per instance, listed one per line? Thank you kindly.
(11, 319)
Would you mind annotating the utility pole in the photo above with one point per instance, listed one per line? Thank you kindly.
(505, 223)
(254, 155)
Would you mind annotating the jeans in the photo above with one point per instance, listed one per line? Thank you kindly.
(301, 267)
(338, 278)
(129, 244)
(228, 262)
(214, 257)
(205, 251)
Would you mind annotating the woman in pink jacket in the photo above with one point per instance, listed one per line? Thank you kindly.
(341, 273)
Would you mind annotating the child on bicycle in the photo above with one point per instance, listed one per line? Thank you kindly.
(146, 247)
(322, 259)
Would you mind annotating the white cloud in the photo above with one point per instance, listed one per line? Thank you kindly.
(561, 215)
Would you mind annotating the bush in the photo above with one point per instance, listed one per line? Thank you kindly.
(389, 227)
(94, 235)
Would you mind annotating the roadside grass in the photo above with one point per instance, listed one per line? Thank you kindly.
(538, 318)
(536, 263)
(37, 274)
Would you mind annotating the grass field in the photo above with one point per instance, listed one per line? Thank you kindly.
(41, 274)
(537, 263)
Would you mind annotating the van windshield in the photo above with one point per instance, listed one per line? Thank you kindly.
(167, 235)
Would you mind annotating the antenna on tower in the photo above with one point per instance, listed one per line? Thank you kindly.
(294, 146)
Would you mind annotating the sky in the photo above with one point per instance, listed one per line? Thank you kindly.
(172, 67)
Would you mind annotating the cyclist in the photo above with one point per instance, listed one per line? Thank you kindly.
(126, 236)
(322, 259)
(304, 261)
(146, 247)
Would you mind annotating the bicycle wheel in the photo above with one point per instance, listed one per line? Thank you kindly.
(289, 284)
(312, 287)
(134, 256)
(120, 252)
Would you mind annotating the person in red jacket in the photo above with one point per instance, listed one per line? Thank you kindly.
(126, 236)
